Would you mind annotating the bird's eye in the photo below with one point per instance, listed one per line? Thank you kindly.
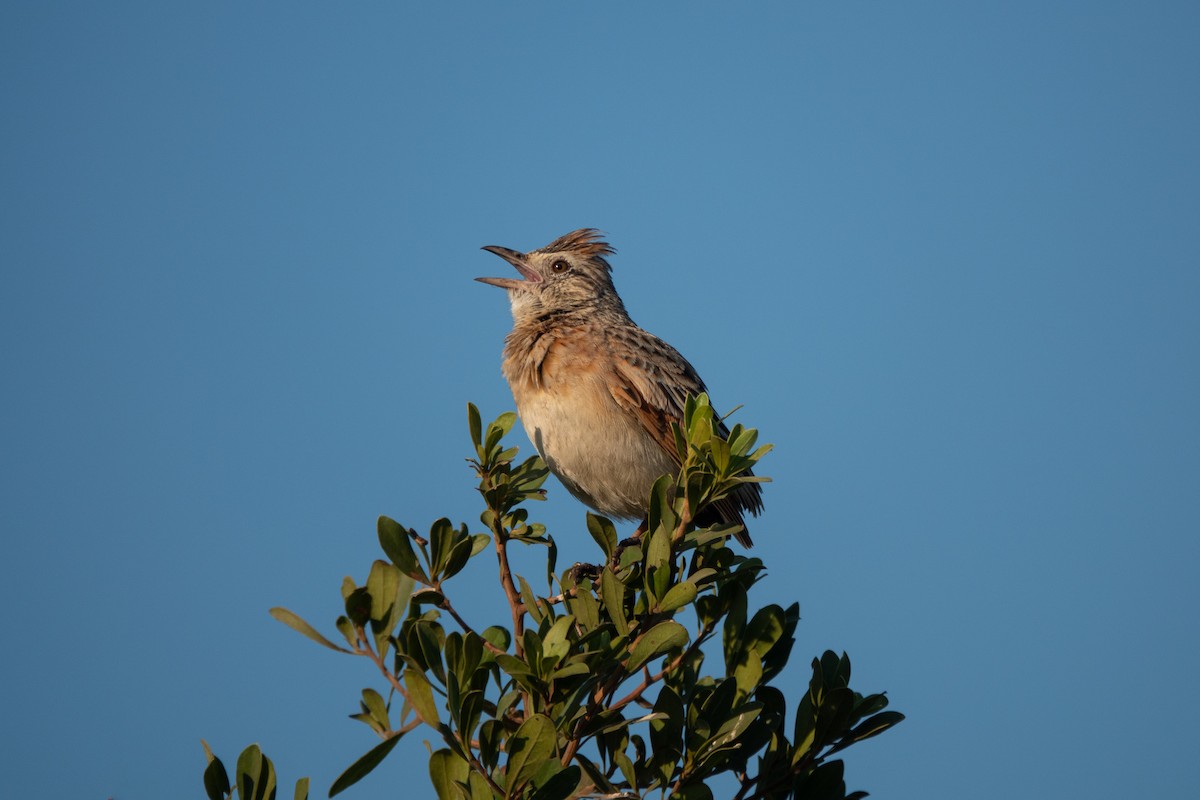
(560, 266)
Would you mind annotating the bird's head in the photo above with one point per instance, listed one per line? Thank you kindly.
(569, 274)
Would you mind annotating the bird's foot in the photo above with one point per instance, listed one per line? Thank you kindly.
(590, 572)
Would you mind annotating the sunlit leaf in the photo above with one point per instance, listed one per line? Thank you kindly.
(533, 742)
(420, 694)
(297, 624)
(446, 769)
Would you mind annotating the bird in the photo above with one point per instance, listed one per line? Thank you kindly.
(597, 394)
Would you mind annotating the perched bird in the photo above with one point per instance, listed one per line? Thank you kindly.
(596, 393)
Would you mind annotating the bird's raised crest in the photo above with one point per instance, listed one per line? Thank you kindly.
(585, 241)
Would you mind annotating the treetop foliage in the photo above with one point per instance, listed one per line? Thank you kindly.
(646, 675)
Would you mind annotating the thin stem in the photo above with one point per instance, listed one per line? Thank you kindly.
(445, 605)
(510, 588)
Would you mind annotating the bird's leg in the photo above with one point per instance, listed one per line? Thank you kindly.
(636, 538)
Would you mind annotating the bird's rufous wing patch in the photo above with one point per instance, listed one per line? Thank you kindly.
(651, 381)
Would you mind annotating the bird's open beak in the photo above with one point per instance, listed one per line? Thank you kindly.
(518, 261)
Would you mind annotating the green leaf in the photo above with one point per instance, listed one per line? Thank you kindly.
(460, 553)
(495, 432)
(479, 789)
(678, 596)
(551, 562)
(389, 590)
(497, 637)
(255, 775)
(363, 766)
(873, 726)
(216, 779)
(556, 643)
(297, 624)
(560, 785)
(377, 708)
(612, 592)
(720, 455)
(603, 531)
(301, 792)
(491, 739)
(446, 770)
(358, 606)
(666, 730)
(532, 607)
(346, 628)
(534, 742)
(662, 513)
(693, 791)
(658, 568)
(420, 694)
(726, 737)
(479, 543)
(663, 637)
(476, 425)
(585, 609)
(394, 540)
(441, 539)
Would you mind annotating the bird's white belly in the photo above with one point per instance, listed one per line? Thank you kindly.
(601, 453)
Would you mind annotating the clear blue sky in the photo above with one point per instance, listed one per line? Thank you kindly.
(945, 253)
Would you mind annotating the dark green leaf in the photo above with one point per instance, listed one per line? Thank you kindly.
(358, 606)
(216, 779)
(727, 735)
(595, 775)
(394, 540)
(693, 791)
(876, 725)
(360, 768)
(476, 426)
(460, 553)
(441, 541)
(560, 785)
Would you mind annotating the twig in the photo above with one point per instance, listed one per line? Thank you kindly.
(445, 605)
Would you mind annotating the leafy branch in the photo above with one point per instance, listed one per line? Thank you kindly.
(597, 689)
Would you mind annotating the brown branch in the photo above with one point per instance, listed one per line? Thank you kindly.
(510, 588)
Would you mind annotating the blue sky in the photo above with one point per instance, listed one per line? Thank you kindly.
(945, 254)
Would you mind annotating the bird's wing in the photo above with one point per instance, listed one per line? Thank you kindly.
(652, 381)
